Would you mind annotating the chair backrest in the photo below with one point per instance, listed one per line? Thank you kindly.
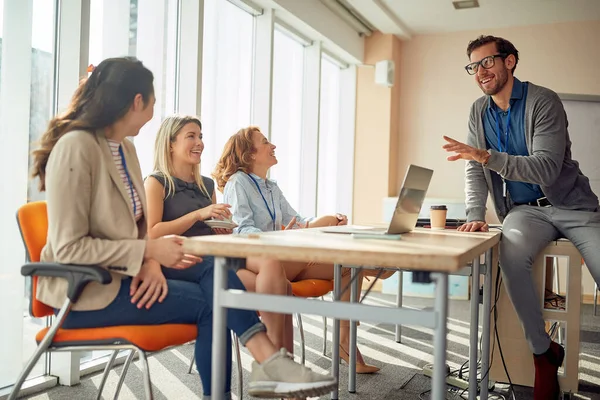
(33, 224)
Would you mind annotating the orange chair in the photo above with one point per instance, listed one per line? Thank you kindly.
(33, 223)
(311, 288)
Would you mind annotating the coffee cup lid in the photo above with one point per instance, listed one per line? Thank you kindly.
(438, 207)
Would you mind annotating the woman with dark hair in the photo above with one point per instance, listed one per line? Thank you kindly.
(97, 216)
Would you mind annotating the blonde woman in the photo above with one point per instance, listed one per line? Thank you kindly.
(258, 205)
(180, 200)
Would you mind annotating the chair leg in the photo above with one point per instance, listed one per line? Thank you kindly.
(30, 364)
(123, 373)
(324, 332)
(302, 342)
(146, 373)
(238, 362)
(107, 369)
(193, 360)
(42, 347)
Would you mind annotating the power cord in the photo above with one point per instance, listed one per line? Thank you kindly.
(497, 294)
(450, 372)
(494, 311)
(463, 369)
(496, 338)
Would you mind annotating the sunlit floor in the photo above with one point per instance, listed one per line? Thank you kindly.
(400, 364)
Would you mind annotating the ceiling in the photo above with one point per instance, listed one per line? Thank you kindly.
(406, 18)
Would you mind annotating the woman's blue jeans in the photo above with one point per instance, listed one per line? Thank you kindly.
(189, 301)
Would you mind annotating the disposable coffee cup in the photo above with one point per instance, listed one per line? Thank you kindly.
(438, 217)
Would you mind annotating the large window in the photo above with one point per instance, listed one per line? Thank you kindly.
(1, 29)
(329, 120)
(111, 33)
(336, 137)
(286, 127)
(226, 76)
(244, 78)
(152, 38)
(42, 79)
(29, 98)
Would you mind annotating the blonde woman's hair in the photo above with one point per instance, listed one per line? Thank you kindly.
(237, 156)
(163, 161)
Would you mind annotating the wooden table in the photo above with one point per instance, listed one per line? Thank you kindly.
(441, 252)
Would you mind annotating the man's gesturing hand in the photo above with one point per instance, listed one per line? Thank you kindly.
(464, 152)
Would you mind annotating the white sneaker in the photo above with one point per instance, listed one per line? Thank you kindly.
(280, 376)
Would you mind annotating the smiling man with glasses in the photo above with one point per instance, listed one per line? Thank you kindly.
(518, 149)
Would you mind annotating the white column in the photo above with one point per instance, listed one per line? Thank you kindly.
(262, 80)
(309, 148)
(151, 38)
(207, 90)
(190, 57)
(14, 159)
(70, 68)
(345, 146)
(72, 65)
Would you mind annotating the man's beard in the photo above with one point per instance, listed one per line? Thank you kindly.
(501, 80)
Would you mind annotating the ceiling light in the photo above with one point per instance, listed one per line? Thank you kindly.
(464, 4)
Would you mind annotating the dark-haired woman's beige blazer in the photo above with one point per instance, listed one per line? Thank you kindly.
(90, 217)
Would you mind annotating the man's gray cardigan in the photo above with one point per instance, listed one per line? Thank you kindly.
(549, 164)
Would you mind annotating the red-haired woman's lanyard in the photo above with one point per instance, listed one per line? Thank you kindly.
(272, 214)
(128, 178)
(500, 141)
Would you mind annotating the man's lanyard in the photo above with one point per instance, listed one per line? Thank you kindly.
(272, 214)
(128, 178)
(499, 132)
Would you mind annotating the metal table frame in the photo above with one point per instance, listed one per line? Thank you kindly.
(435, 319)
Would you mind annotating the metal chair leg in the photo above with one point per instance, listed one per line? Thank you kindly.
(123, 373)
(107, 369)
(41, 349)
(30, 364)
(302, 342)
(193, 360)
(324, 332)
(238, 362)
(146, 374)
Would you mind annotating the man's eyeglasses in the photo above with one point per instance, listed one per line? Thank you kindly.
(486, 62)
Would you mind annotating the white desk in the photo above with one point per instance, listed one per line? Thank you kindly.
(439, 252)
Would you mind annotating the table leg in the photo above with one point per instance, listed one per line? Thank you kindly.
(473, 336)
(399, 305)
(219, 330)
(335, 348)
(485, 331)
(438, 389)
(352, 341)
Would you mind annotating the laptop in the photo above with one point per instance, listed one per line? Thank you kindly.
(412, 194)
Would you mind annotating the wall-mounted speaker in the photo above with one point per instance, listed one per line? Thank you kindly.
(384, 73)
